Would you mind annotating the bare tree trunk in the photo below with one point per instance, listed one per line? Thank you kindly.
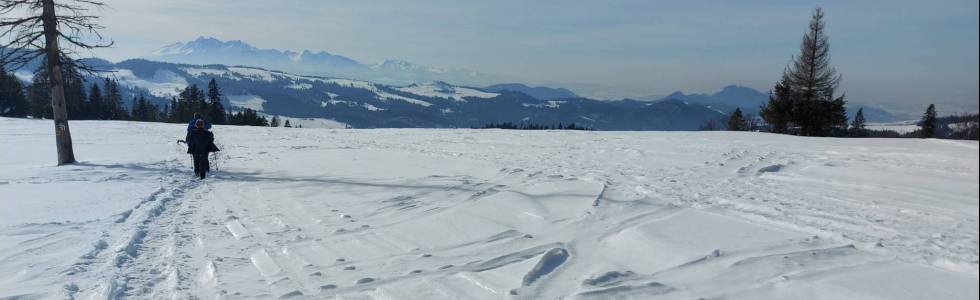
(62, 135)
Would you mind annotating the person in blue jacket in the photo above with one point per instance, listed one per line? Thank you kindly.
(200, 142)
(193, 122)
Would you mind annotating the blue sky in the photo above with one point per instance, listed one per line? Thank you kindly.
(895, 54)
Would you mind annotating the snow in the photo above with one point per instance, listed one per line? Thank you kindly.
(247, 101)
(390, 96)
(382, 95)
(337, 102)
(899, 127)
(370, 107)
(163, 83)
(252, 73)
(299, 86)
(25, 76)
(166, 83)
(553, 104)
(204, 71)
(350, 83)
(310, 122)
(485, 214)
(444, 90)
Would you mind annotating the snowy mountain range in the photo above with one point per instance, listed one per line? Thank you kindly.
(207, 50)
(434, 103)
(366, 104)
(726, 100)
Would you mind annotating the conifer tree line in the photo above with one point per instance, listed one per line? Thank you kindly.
(193, 99)
(533, 126)
(103, 100)
(13, 102)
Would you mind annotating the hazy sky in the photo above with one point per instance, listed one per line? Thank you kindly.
(898, 54)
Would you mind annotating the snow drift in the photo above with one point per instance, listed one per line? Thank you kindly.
(485, 214)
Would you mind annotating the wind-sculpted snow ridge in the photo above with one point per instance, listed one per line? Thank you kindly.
(485, 214)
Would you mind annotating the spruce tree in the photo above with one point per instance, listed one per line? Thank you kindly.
(75, 95)
(134, 110)
(809, 83)
(112, 101)
(928, 123)
(143, 108)
(287, 125)
(95, 105)
(737, 121)
(175, 111)
(778, 112)
(216, 110)
(199, 103)
(274, 122)
(151, 112)
(858, 125)
(191, 100)
(13, 103)
(39, 94)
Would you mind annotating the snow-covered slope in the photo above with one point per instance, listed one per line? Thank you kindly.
(444, 90)
(900, 127)
(485, 214)
(167, 84)
(365, 104)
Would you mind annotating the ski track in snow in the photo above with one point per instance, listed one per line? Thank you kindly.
(489, 214)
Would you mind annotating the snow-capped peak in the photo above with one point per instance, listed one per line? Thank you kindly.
(204, 45)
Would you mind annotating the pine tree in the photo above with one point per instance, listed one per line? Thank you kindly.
(112, 100)
(928, 123)
(274, 122)
(39, 94)
(858, 125)
(778, 112)
(216, 110)
(176, 111)
(151, 112)
(191, 100)
(134, 110)
(737, 122)
(13, 103)
(75, 95)
(287, 125)
(96, 106)
(808, 84)
(148, 111)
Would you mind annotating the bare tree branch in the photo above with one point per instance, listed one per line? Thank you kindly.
(24, 36)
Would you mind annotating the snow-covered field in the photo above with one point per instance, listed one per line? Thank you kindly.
(485, 214)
